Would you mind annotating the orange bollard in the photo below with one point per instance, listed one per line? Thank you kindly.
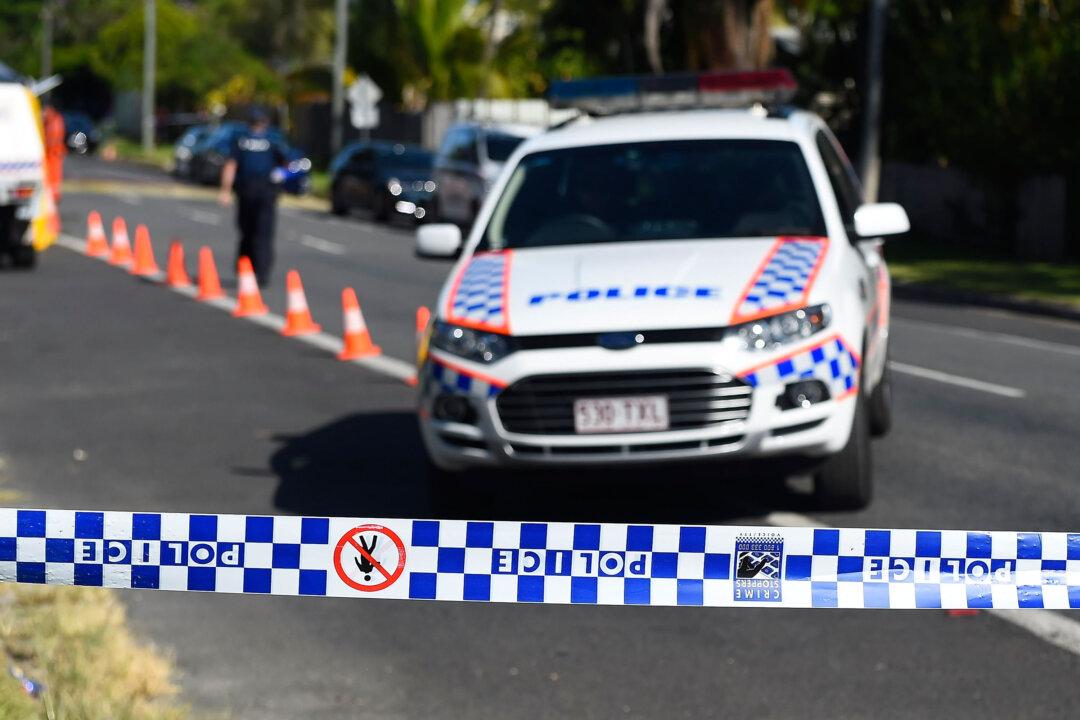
(96, 243)
(248, 299)
(145, 265)
(298, 320)
(120, 254)
(175, 273)
(357, 340)
(209, 285)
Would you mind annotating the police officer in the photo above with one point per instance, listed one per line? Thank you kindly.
(254, 172)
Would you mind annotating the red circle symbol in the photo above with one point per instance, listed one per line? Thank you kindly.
(369, 565)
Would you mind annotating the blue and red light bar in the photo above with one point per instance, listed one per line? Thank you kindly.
(680, 90)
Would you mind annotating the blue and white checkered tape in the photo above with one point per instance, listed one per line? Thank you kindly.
(577, 563)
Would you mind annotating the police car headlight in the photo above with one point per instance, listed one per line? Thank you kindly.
(475, 345)
(772, 332)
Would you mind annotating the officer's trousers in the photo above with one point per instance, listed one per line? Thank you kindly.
(256, 214)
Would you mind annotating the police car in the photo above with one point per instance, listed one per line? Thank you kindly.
(656, 285)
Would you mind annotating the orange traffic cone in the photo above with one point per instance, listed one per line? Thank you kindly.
(145, 265)
(52, 215)
(96, 243)
(121, 247)
(357, 341)
(298, 319)
(248, 299)
(175, 273)
(209, 285)
(423, 317)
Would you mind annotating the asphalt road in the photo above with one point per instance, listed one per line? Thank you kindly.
(176, 406)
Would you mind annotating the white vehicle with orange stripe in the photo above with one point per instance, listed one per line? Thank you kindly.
(664, 286)
(22, 155)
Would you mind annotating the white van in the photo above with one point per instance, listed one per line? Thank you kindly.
(22, 158)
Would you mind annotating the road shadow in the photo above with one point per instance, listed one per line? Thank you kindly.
(373, 465)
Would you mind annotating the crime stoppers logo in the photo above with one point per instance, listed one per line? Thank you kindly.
(759, 559)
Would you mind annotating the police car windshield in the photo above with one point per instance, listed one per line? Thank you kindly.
(671, 190)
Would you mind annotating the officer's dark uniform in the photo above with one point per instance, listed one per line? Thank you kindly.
(258, 158)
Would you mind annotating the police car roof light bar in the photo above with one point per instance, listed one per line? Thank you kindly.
(610, 95)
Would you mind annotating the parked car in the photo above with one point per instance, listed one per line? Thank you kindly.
(82, 136)
(209, 154)
(183, 151)
(467, 165)
(388, 179)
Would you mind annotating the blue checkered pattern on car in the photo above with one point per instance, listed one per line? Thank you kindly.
(452, 380)
(548, 562)
(830, 361)
(478, 298)
(783, 281)
(8, 167)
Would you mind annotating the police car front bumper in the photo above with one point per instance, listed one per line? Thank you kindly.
(479, 436)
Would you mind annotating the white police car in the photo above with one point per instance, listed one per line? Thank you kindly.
(659, 286)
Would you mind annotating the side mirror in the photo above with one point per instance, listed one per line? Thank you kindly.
(438, 240)
(877, 219)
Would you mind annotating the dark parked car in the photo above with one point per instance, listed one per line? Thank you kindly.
(208, 156)
(184, 148)
(82, 136)
(387, 179)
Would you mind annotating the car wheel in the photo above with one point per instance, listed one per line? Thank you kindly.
(338, 206)
(845, 480)
(381, 208)
(23, 256)
(881, 403)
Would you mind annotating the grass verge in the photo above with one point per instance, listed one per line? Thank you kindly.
(75, 642)
(160, 157)
(919, 261)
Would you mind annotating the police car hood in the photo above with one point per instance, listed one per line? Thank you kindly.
(643, 285)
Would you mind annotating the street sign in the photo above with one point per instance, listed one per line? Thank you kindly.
(364, 96)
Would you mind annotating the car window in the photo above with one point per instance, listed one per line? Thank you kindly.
(656, 191)
(501, 145)
(842, 178)
(460, 146)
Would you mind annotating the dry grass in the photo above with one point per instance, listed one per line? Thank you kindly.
(76, 642)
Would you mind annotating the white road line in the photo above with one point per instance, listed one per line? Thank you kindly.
(382, 364)
(991, 336)
(130, 199)
(326, 246)
(1047, 625)
(204, 217)
(958, 380)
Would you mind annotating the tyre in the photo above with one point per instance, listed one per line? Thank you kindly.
(845, 480)
(881, 403)
(380, 209)
(23, 257)
(338, 206)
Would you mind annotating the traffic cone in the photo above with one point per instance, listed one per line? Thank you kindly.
(209, 285)
(357, 340)
(175, 273)
(423, 317)
(52, 215)
(121, 249)
(248, 299)
(145, 265)
(298, 319)
(96, 243)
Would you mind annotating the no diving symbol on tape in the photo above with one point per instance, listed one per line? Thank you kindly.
(369, 558)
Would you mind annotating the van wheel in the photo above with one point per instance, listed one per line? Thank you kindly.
(845, 481)
(881, 403)
(23, 257)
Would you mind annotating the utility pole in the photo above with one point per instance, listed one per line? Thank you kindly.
(870, 150)
(47, 17)
(149, 63)
(341, 46)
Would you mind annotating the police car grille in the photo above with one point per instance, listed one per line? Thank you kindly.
(544, 404)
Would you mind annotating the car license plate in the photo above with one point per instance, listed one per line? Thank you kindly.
(622, 414)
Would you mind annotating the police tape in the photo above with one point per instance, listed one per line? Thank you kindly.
(542, 562)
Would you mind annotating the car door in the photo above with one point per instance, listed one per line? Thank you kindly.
(456, 172)
(356, 181)
(873, 282)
